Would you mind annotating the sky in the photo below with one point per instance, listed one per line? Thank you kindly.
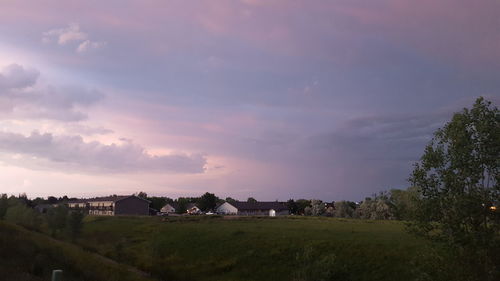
(333, 100)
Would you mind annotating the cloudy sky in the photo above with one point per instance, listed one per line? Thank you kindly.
(272, 99)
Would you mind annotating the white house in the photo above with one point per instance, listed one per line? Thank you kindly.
(192, 209)
(169, 208)
(253, 208)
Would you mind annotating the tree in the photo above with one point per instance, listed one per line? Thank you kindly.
(292, 207)
(157, 202)
(182, 203)
(377, 207)
(343, 209)
(302, 204)
(404, 202)
(142, 195)
(4, 204)
(18, 213)
(317, 207)
(230, 200)
(75, 224)
(207, 201)
(57, 218)
(251, 200)
(458, 182)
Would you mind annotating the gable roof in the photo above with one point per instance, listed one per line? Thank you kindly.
(247, 206)
(173, 205)
(191, 205)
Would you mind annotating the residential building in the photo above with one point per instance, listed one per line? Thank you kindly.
(169, 208)
(112, 205)
(253, 208)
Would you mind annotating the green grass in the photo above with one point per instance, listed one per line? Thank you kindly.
(30, 256)
(292, 248)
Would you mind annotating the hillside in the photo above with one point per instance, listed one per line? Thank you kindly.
(30, 256)
(293, 248)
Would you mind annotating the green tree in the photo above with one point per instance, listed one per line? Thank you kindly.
(343, 209)
(207, 201)
(251, 200)
(458, 180)
(404, 202)
(4, 205)
(182, 205)
(292, 206)
(157, 202)
(19, 213)
(75, 224)
(57, 218)
(302, 204)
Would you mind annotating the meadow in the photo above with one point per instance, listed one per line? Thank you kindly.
(253, 248)
(31, 256)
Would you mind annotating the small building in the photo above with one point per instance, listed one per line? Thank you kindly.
(112, 205)
(169, 208)
(253, 208)
(192, 209)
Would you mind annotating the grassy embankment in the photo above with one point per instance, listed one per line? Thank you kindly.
(294, 248)
(31, 256)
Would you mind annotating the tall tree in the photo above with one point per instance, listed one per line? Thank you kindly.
(75, 224)
(458, 179)
(57, 218)
(207, 201)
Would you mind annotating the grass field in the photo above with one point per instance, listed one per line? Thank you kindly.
(292, 248)
(31, 256)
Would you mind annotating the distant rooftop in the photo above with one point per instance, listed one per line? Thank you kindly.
(112, 198)
(242, 206)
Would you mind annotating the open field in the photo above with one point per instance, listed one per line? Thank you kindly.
(293, 248)
(30, 256)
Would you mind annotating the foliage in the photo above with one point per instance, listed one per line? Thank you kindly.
(292, 207)
(142, 195)
(404, 203)
(207, 202)
(75, 223)
(32, 256)
(458, 179)
(317, 208)
(301, 205)
(344, 209)
(251, 200)
(376, 208)
(312, 266)
(19, 213)
(157, 202)
(4, 204)
(57, 218)
(182, 205)
(206, 248)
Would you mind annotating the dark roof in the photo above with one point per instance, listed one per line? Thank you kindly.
(113, 198)
(244, 206)
(191, 205)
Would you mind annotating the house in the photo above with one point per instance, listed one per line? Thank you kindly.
(169, 208)
(112, 205)
(192, 209)
(253, 208)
